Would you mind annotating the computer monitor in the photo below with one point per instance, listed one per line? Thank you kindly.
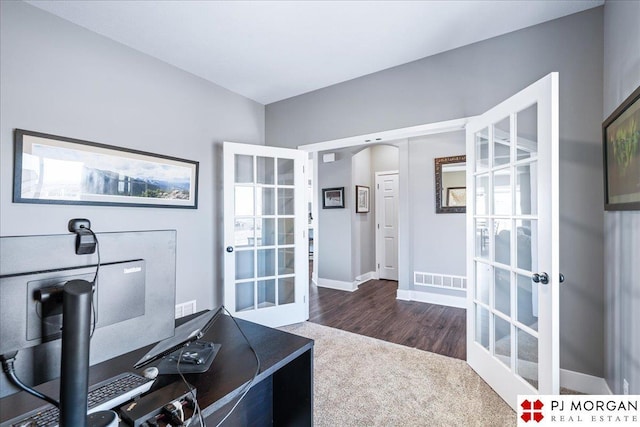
(134, 300)
(119, 296)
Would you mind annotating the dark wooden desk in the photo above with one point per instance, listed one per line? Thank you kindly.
(281, 395)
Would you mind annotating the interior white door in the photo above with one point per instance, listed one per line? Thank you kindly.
(266, 271)
(512, 243)
(387, 225)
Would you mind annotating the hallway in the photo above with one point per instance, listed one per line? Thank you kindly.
(374, 311)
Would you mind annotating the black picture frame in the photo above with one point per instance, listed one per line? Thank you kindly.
(333, 198)
(52, 169)
(363, 199)
(621, 155)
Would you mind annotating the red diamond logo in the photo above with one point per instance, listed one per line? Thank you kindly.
(532, 411)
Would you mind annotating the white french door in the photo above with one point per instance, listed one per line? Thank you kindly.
(512, 243)
(266, 270)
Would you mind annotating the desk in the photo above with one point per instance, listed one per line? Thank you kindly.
(281, 395)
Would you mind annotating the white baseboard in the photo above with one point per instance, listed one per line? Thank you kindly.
(583, 383)
(371, 275)
(403, 295)
(431, 298)
(346, 286)
(337, 284)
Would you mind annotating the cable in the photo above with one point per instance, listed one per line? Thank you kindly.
(95, 281)
(9, 370)
(255, 375)
(95, 277)
(173, 411)
(178, 406)
(196, 407)
(247, 386)
(95, 284)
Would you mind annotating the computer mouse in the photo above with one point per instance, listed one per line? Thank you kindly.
(151, 372)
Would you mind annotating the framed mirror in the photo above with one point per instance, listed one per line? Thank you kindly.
(451, 184)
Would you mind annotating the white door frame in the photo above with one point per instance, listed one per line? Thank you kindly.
(391, 137)
(378, 210)
(315, 213)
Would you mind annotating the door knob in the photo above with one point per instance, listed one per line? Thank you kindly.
(540, 278)
(561, 277)
(229, 249)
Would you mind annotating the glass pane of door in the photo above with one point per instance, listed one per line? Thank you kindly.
(505, 248)
(527, 357)
(264, 194)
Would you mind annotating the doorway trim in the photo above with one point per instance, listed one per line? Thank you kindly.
(400, 138)
(388, 135)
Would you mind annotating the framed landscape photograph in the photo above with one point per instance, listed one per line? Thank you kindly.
(362, 199)
(621, 143)
(333, 198)
(58, 170)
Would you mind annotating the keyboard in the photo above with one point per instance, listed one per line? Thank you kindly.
(104, 395)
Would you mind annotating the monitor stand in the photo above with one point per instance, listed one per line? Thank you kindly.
(196, 357)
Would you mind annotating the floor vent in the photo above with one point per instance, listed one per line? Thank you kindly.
(444, 281)
(185, 309)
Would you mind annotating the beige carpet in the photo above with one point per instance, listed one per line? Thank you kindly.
(361, 381)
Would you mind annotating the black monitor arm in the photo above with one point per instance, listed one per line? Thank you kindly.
(74, 370)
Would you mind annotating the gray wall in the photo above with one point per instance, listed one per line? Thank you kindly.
(384, 158)
(334, 236)
(363, 233)
(439, 240)
(466, 82)
(622, 229)
(59, 78)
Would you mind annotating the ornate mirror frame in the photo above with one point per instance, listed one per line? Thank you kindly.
(440, 207)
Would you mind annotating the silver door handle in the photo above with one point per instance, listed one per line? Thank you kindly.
(544, 278)
(540, 278)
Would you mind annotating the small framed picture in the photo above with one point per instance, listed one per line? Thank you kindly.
(621, 143)
(333, 198)
(457, 196)
(362, 199)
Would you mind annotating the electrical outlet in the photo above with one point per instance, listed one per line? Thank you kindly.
(625, 386)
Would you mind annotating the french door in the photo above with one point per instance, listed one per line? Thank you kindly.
(512, 243)
(266, 271)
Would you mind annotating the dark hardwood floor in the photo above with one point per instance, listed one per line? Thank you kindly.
(374, 311)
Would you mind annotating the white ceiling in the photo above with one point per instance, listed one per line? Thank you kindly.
(272, 50)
